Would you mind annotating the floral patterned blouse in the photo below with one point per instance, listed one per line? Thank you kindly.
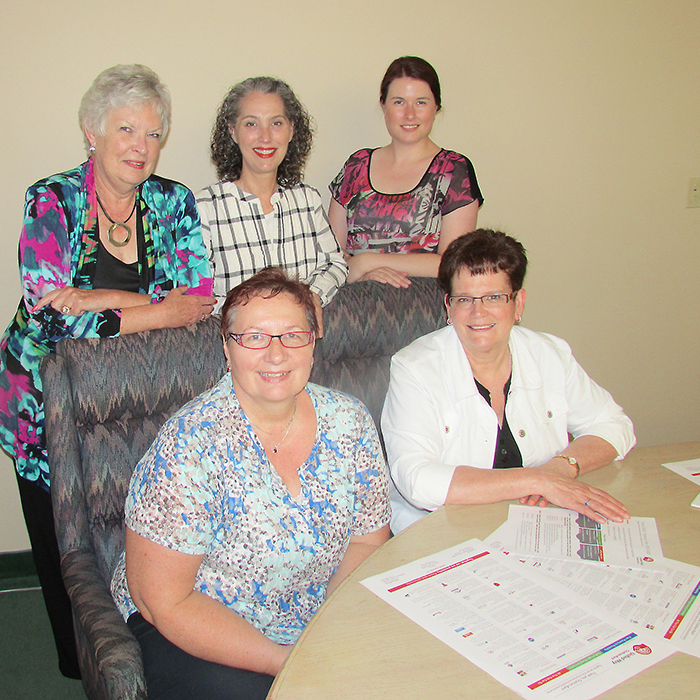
(402, 223)
(206, 487)
(58, 247)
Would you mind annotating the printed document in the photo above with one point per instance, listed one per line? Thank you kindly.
(529, 633)
(565, 534)
(690, 469)
(664, 604)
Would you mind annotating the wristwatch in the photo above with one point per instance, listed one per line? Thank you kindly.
(572, 461)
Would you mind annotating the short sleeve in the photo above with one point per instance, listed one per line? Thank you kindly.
(175, 493)
(352, 178)
(463, 188)
(337, 184)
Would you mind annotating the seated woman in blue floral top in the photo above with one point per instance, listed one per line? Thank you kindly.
(256, 499)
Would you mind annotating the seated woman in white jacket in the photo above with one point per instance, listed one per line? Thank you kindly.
(473, 401)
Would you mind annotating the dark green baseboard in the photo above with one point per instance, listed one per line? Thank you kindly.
(17, 570)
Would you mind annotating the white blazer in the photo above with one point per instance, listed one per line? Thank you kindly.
(434, 418)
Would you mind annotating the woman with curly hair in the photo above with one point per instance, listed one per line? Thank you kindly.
(260, 213)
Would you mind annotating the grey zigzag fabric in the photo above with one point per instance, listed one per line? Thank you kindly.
(109, 657)
(105, 401)
(365, 324)
(370, 319)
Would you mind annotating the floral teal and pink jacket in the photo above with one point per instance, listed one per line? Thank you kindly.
(58, 247)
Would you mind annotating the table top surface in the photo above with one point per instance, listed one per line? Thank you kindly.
(358, 646)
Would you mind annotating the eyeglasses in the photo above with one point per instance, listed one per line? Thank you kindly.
(260, 341)
(490, 301)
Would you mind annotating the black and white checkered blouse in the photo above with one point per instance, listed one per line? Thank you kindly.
(242, 240)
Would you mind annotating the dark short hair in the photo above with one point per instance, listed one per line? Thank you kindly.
(481, 252)
(268, 283)
(225, 152)
(411, 67)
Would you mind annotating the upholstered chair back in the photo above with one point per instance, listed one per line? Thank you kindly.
(366, 324)
(105, 401)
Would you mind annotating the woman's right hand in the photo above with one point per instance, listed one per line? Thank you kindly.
(370, 266)
(184, 309)
(72, 301)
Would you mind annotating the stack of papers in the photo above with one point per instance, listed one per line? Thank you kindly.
(554, 604)
(636, 582)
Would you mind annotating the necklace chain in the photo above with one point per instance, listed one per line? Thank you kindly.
(118, 224)
(275, 448)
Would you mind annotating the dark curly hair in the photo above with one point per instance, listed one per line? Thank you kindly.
(225, 153)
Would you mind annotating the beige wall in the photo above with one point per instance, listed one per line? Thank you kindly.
(582, 120)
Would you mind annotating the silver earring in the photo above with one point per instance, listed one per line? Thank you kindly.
(520, 318)
(449, 321)
(91, 149)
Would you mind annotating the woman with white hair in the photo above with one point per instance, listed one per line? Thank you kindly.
(107, 248)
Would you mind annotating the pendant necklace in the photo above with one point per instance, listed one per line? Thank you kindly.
(275, 448)
(118, 224)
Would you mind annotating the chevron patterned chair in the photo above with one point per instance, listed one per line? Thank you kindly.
(105, 400)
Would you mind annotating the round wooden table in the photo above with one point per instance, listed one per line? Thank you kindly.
(359, 648)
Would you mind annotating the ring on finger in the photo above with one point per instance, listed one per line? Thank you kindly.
(65, 309)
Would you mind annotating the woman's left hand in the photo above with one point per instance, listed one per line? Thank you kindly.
(565, 492)
(386, 275)
(556, 466)
(183, 309)
(591, 452)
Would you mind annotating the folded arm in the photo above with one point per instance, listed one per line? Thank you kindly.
(46, 269)
(137, 312)
(417, 436)
(395, 268)
(471, 485)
